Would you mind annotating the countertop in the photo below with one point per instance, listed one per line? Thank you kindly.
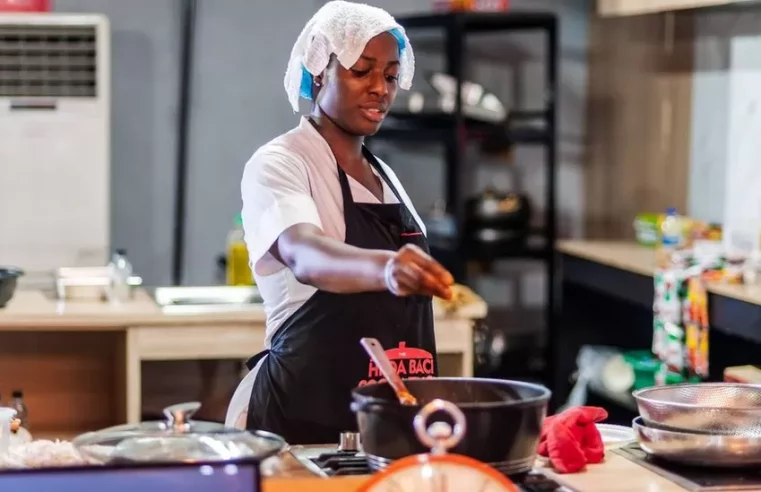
(616, 474)
(36, 309)
(638, 259)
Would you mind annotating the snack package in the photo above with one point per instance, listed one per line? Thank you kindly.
(667, 303)
(664, 376)
(680, 323)
(675, 348)
(667, 308)
(695, 318)
(659, 338)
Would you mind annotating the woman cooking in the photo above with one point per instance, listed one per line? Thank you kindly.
(338, 251)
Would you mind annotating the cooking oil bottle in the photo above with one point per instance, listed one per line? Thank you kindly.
(238, 269)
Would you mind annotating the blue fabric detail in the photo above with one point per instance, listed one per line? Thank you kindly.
(306, 77)
(397, 33)
(306, 84)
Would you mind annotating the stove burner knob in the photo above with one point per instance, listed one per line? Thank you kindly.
(349, 442)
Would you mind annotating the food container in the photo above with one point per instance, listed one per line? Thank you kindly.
(6, 414)
(504, 419)
(177, 439)
(8, 281)
(646, 230)
(645, 367)
(88, 283)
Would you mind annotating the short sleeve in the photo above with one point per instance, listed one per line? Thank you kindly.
(276, 195)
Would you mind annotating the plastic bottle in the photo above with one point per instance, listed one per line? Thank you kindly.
(671, 236)
(120, 271)
(238, 269)
(17, 403)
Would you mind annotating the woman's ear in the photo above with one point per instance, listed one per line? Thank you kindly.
(316, 86)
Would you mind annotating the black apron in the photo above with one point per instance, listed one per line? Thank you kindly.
(303, 388)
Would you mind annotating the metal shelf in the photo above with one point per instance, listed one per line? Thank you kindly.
(482, 21)
(432, 127)
(456, 130)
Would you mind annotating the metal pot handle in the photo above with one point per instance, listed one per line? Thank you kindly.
(178, 416)
(439, 436)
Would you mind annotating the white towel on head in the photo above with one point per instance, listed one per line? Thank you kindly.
(344, 29)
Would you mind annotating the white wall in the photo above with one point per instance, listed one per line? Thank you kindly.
(145, 54)
(726, 144)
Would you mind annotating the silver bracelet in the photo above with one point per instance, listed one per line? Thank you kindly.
(389, 279)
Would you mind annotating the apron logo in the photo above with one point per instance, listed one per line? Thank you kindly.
(408, 362)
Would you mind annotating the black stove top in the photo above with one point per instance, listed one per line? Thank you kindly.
(695, 479)
(341, 463)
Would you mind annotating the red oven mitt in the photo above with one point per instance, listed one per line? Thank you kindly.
(571, 440)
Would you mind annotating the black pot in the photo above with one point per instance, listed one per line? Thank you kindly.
(8, 280)
(503, 420)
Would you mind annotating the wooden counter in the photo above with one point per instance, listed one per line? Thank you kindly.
(84, 365)
(641, 260)
(624, 270)
(616, 474)
(37, 310)
(607, 290)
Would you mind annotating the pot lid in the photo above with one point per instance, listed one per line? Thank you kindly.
(177, 420)
(177, 438)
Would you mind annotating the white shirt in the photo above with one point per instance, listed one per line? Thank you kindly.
(293, 179)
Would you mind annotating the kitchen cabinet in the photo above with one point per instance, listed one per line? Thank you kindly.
(88, 365)
(612, 8)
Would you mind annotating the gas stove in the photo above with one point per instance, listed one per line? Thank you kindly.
(345, 459)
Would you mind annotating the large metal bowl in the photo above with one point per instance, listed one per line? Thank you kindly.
(703, 450)
(707, 408)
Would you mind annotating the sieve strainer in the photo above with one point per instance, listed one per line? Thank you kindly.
(708, 408)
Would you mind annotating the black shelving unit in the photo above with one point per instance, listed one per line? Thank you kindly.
(455, 130)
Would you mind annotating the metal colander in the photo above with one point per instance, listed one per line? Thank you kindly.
(708, 408)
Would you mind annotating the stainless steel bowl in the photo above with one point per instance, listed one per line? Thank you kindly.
(698, 449)
(708, 408)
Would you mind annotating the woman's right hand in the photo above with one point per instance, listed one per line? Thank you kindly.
(411, 271)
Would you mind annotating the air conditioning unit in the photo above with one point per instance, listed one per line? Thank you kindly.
(55, 157)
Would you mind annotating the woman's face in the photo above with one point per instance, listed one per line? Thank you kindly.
(358, 99)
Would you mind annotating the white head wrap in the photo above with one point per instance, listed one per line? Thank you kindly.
(341, 28)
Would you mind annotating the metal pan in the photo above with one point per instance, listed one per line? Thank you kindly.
(693, 449)
(714, 408)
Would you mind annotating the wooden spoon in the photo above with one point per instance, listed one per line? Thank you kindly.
(375, 350)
